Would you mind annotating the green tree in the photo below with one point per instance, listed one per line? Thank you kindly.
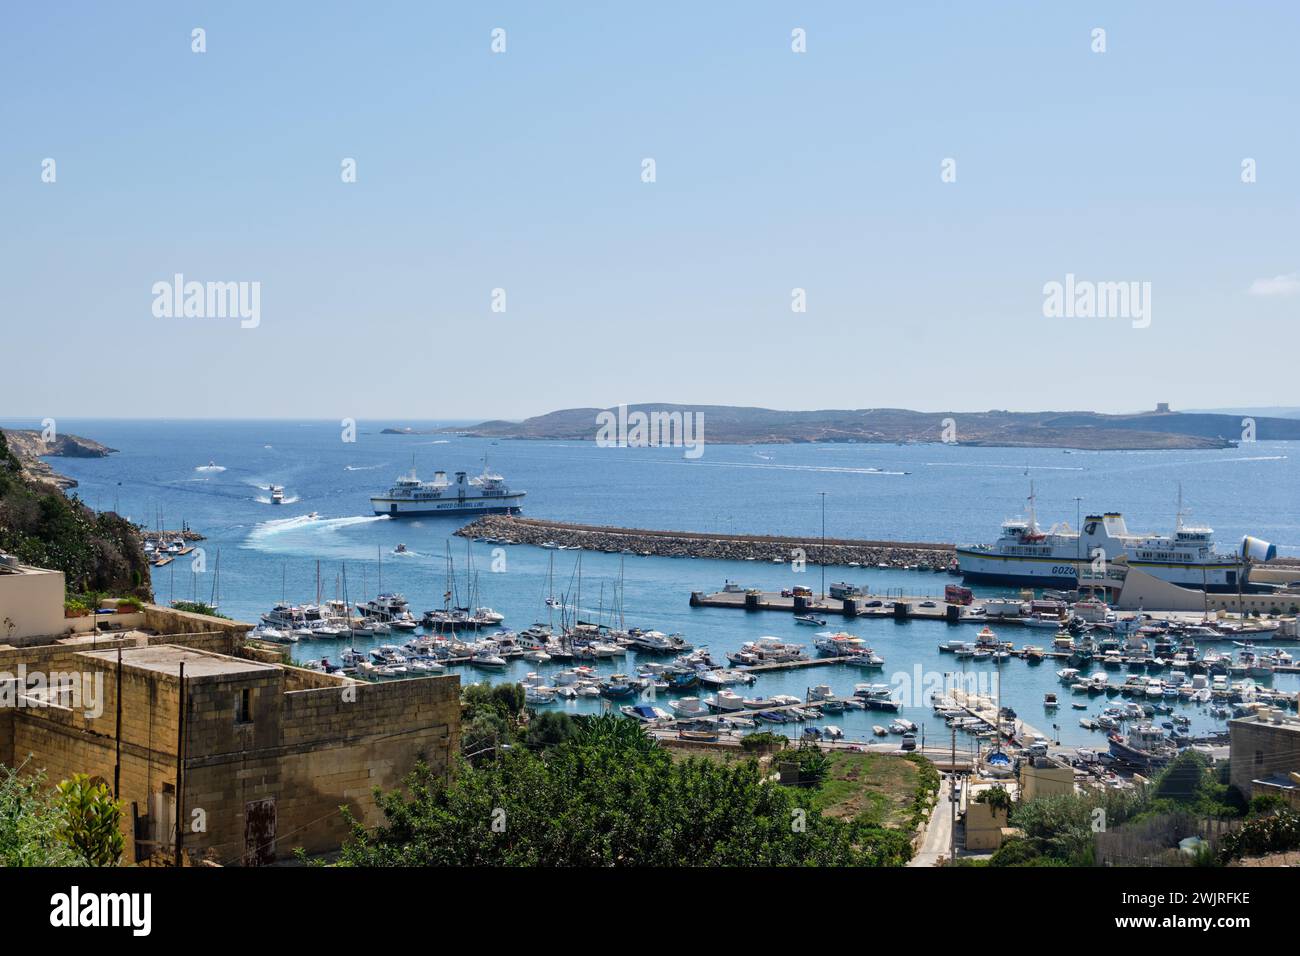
(609, 796)
(30, 822)
(91, 821)
(550, 728)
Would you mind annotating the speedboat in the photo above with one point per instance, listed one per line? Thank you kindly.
(487, 657)
(809, 619)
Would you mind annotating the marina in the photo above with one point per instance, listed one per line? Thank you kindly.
(331, 524)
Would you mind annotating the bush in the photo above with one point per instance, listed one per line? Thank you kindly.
(91, 822)
(763, 740)
(1271, 834)
(550, 728)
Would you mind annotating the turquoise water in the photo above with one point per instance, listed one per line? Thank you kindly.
(911, 492)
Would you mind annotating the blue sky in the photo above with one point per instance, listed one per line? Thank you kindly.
(522, 171)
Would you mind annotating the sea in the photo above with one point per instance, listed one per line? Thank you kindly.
(214, 476)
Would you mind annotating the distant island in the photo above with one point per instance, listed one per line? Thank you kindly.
(1094, 431)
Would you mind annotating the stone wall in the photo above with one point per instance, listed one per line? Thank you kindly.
(1260, 748)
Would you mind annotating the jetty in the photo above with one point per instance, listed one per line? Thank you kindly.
(861, 605)
(513, 529)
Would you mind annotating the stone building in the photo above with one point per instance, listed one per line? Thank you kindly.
(1264, 753)
(265, 753)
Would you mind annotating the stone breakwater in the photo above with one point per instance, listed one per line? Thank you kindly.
(727, 547)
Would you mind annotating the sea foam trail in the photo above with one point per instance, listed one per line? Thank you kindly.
(267, 529)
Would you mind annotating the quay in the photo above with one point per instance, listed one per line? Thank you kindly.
(513, 529)
(863, 605)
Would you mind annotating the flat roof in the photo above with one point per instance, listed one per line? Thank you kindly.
(167, 659)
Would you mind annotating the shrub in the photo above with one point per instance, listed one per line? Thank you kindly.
(91, 822)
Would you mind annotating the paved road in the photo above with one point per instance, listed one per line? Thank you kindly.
(938, 835)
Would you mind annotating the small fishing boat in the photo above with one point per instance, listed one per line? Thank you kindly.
(810, 620)
(879, 731)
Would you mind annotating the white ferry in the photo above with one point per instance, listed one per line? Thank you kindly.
(485, 494)
(1025, 554)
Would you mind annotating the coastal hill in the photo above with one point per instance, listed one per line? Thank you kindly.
(42, 526)
(727, 424)
(29, 448)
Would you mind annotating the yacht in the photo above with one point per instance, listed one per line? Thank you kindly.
(277, 494)
(838, 644)
(767, 650)
(485, 494)
(390, 609)
(655, 642)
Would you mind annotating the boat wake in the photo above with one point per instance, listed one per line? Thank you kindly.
(276, 526)
(212, 468)
(361, 467)
(984, 464)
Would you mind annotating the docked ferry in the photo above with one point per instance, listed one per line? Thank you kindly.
(484, 494)
(1024, 554)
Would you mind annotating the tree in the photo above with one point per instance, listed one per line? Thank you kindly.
(29, 823)
(91, 820)
(550, 728)
(610, 796)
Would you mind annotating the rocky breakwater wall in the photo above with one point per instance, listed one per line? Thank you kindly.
(691, 544)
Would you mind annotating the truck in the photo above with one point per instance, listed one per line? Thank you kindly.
(956, 594)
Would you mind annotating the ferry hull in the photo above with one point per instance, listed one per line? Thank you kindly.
(981, 568)
(399, 508)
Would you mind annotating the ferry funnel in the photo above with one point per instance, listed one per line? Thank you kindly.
(1253, 549)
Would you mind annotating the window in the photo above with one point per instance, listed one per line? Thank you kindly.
(244, 706)
(1259, 758)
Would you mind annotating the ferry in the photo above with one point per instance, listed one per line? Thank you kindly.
(484, 494)
(1024, 554)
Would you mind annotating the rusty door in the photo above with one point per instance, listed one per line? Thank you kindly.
(259, 832)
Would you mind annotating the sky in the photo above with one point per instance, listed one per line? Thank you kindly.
(524, 170)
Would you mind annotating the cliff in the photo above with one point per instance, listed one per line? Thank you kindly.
(42, 526)
(29, 448)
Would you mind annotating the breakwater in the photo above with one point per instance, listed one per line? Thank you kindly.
(692, 544)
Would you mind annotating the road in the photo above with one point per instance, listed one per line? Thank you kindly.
(938, 833)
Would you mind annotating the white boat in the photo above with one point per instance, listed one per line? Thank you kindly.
(486, 656)
(539, 695)
(389, 609)
(1026, 554)
(687, 707)
(484, 494)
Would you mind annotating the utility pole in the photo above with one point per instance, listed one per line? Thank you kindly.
(117, 762)
(180, 758)
(952, 799)
(822, 557)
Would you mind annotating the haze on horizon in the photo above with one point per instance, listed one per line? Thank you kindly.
(522, 171)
